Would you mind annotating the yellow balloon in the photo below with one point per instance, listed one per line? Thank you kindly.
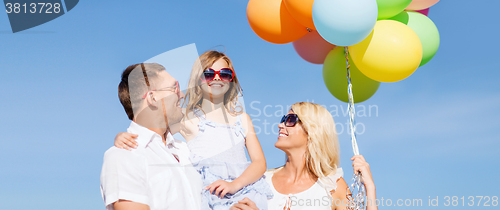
(391, 53)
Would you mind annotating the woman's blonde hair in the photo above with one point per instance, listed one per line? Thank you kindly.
(323, 152)
(194, 95)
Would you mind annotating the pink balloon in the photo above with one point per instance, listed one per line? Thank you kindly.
(313, 48)
(421, 4)
(424, 11)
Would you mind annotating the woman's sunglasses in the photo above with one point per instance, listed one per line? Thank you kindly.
(225, 74)
(290, 120)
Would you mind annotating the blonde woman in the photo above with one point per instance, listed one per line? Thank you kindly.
(217, 132)
(311, 177)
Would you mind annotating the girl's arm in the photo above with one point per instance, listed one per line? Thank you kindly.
(253, 172)
(258, 166)
(189, 126)
(126, 141)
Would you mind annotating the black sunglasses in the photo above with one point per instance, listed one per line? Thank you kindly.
(290, 120)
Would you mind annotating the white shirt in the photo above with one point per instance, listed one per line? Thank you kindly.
(150, 174)
(317, 197)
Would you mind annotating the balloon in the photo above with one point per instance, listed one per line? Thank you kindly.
(335, 78)
(313, 48)
(344, 23)
(390, 53)
(390, 8)
(301, 10)
(426, 31)
(270, 20)
(421, 4)
(424, 11)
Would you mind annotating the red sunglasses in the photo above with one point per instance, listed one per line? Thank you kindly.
(225, 74)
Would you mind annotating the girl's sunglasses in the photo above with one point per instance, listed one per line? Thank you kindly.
(225, 74)
(290, 120)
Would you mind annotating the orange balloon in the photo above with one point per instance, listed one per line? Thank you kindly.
(271, 21)
(421, 4)
(301, 10)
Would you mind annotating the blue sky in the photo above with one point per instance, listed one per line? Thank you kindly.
(435, 133)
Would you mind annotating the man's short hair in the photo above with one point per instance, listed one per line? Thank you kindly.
(133, 85)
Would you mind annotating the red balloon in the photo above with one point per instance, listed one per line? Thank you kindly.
(313, 48)
(424, 11)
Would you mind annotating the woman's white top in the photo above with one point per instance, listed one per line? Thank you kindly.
(317, 197)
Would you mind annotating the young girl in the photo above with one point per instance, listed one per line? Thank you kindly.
(217, 131)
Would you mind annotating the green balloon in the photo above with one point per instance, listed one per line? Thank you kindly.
(335, 78)
(426, 31)
(390, 8)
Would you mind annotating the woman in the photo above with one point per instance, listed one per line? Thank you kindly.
(310, 178)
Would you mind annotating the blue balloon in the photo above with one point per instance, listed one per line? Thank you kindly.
(344, 22)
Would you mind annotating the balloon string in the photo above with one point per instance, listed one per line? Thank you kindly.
(357, 198)
(350, 107)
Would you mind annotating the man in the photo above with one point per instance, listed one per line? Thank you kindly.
(158, 174)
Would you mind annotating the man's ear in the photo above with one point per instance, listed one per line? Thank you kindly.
(151, 100)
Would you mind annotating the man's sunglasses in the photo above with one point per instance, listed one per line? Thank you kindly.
(225, 74)
(175, 88)
(290, 120)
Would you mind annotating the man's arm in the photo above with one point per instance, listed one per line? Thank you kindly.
(129, 205)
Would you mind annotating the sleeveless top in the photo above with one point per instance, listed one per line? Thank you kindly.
(217, 144)
(317, 197)
(218, 152)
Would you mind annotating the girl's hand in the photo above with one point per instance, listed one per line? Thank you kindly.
(244, 204)
(126, 141)
(221, 188)
(361, 166)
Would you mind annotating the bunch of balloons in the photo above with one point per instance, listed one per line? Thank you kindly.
(387, 39)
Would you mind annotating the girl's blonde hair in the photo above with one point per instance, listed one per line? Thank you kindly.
(194, 95)
(323, 152)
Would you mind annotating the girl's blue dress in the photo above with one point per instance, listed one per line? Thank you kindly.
(218, 152)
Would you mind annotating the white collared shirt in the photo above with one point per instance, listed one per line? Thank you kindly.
(150, 174)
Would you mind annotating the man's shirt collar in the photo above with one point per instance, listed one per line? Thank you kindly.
(145, 136)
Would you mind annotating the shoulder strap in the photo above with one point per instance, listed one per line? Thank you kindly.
(239, 118)
(199, 113)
